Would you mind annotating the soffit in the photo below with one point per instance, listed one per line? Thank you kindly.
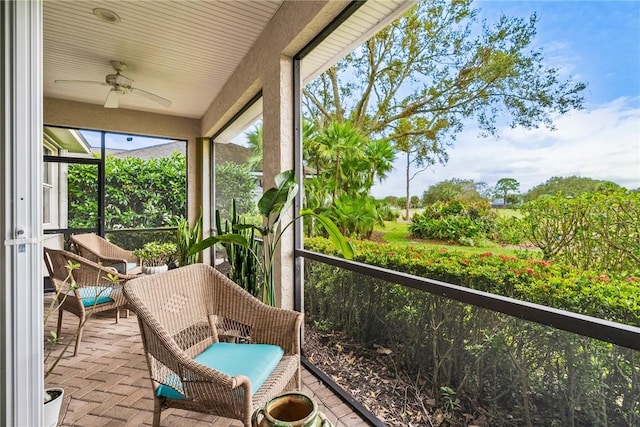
(373, 16)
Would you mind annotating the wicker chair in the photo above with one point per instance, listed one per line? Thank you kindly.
(93, 292)
(187, 312)
(98, 249)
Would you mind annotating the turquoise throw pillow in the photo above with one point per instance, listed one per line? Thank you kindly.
(94, 295)
(255, 361)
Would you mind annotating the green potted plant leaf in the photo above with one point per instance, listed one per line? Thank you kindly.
(154, 256)
(273, 203)
(187, 236)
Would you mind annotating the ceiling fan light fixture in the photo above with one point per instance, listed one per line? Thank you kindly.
(106, 15)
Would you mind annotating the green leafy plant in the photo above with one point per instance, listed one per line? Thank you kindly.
(245, 268)
(187, 236)
(154, 254)
(273, 204)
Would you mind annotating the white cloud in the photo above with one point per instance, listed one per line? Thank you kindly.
(602, 143)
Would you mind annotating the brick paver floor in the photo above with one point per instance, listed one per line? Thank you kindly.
(107, 383)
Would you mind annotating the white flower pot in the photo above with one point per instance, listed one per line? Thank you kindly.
(52, 408)
(153, 270)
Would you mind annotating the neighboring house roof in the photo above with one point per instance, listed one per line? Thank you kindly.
(68, 139)
(224, 152)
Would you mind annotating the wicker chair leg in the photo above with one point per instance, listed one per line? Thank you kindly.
(157, 409)
(117, 314)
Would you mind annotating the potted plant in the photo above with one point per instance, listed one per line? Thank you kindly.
(154, 256)
(273, 203)
(187, 237)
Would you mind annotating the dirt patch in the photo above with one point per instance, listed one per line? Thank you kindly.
(371, 377)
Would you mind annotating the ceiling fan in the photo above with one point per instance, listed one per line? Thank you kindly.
(120, 85)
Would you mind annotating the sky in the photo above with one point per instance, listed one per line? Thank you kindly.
(597, 42)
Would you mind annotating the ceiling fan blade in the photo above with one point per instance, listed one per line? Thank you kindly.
(112, 100)
(155, 98)
(123, 80)
(84, 82)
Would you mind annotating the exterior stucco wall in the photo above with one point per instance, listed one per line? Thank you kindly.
(269, 67)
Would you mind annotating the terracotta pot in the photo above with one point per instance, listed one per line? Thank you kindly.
(293, 409)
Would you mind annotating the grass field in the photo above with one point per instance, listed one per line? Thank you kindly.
(398, 233)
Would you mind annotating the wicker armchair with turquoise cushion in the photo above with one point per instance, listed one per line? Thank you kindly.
(211, 347)
(98, 249)
(88, 288)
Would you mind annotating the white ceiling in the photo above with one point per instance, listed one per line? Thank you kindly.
(183, 51)
(180, 50)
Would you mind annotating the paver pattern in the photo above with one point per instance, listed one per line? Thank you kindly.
(107, 383)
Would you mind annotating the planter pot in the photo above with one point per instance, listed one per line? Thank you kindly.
(153, 270)
(293, 409)
(53, 406)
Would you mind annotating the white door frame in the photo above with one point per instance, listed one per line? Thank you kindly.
(21, 288)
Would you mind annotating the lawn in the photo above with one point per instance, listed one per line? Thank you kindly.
(397, 233)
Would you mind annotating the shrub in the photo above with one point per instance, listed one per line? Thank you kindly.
(589, 292)
(453, 221)
(508, 230)
(592, 231)
(511, 371)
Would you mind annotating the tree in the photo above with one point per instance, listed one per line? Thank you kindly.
(347, 162)
(254, 139)
(234, 182)
(453, 189)
(415, 83)
(570, 186)
(506, 187)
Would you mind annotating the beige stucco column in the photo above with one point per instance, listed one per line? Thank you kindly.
(199, 186)
(278, 156)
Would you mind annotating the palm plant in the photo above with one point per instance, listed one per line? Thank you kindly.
(272, 206)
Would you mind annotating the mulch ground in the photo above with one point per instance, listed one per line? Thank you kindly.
(371, 377)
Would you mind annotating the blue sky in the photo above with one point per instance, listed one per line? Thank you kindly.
(597, 42)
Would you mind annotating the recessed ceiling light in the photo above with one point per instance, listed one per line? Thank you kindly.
(106, 15)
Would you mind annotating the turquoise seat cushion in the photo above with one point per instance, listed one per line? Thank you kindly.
(94, 295)
(255, 361)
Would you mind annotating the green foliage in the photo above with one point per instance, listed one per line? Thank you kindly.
(508, 230)
(139, 193)
(355, 216)
(592, 231)
(245, 268)
(571, 186)
(584, 291)
(466, 190)
(457, 68)
(154, 254)
(187, 236)
(453, 221)
(387, 211)
(511, 369)
(273, 206)
(234, 182)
